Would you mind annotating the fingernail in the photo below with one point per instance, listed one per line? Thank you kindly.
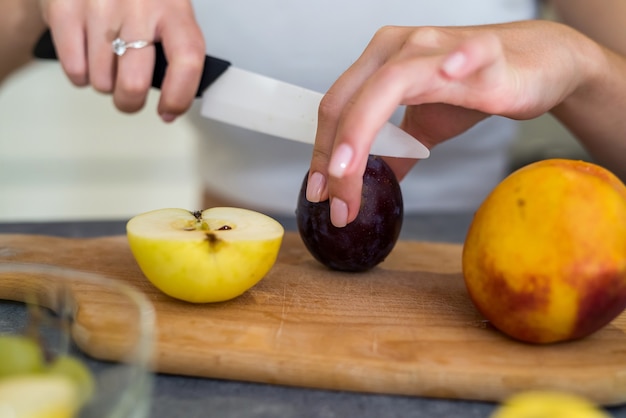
(314, 187)
(338, 212)
(453, 63)
(340, 160)
(168, 117)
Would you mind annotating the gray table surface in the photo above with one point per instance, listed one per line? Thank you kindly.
(179, 396)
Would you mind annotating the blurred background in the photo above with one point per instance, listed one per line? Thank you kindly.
(67, 153)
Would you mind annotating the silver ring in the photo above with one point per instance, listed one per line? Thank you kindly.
(120, 46)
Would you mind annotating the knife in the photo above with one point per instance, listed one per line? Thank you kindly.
(263, 104)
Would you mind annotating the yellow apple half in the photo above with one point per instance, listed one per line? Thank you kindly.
(205, 256)
(38, 396)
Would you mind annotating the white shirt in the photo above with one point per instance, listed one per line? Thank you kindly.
(311, 44)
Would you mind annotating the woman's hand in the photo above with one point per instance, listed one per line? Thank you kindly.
(83, 31)
(450, 79)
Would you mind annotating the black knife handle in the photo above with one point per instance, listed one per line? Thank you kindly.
(213, 67)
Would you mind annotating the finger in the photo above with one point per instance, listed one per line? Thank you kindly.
(345, 193)
(327, 119)
(103, 27)
(133, 76)
(476, 76)
(363, 118)
(331, 108)
(184, 47)
(474, 54)
(67, 28)
(329, 114)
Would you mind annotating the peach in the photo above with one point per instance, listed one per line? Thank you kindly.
(544, 259)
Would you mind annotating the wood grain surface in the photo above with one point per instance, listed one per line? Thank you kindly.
(406, 327)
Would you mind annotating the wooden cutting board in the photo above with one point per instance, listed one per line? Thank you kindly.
(406, 327)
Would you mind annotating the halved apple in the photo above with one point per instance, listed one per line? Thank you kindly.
(204, 256)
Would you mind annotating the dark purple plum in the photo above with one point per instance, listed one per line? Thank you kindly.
(364, 242)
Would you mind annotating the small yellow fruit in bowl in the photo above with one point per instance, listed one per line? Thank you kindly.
(60, 387)
(26, 387)
(205, 256)
(19, 355)
(38, 396)
(77, 372)
(544, 259)
(52, 343)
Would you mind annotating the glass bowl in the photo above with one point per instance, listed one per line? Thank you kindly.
(103, 322)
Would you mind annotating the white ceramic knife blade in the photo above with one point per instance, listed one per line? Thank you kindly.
(263, 104)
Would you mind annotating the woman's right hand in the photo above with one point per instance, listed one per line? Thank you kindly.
(83, 31)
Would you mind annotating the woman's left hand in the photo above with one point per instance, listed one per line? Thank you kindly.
(450, 79)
